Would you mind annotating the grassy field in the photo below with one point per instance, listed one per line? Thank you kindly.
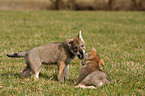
(119, 38)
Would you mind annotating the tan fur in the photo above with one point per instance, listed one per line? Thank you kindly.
(60, 54)
(90, 73)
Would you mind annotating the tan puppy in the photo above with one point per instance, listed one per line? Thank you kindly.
(90, 73)
(60, 54)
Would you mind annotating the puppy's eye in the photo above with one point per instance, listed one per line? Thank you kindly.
(82, 45)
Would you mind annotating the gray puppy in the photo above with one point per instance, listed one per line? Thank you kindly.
(60, 54)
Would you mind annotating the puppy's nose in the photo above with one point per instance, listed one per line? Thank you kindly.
(81, 51)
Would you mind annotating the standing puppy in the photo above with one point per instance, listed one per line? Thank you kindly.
(60, 54)
(90, 73)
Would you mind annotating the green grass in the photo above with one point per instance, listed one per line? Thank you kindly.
(119, 38)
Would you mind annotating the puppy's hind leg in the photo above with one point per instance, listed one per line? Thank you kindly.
(36, 74)
(35, 65)
(36, 70)
(25, 72)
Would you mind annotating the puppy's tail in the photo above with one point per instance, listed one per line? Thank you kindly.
(21, 54)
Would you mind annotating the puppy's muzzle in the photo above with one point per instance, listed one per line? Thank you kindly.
(81, 54)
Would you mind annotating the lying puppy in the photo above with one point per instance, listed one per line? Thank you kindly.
(90, 73)
(60, 54)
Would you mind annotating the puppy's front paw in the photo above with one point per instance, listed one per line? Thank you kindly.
(61, 79)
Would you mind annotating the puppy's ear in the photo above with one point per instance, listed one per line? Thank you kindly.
(69, 42)
(92, 54)
(80, 37)
(93, 51)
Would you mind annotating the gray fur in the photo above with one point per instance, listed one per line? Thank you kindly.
(60, 54)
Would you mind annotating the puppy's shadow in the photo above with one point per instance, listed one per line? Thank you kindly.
(71, 81)
(53, 77)
(47, 77)
(17, 75)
